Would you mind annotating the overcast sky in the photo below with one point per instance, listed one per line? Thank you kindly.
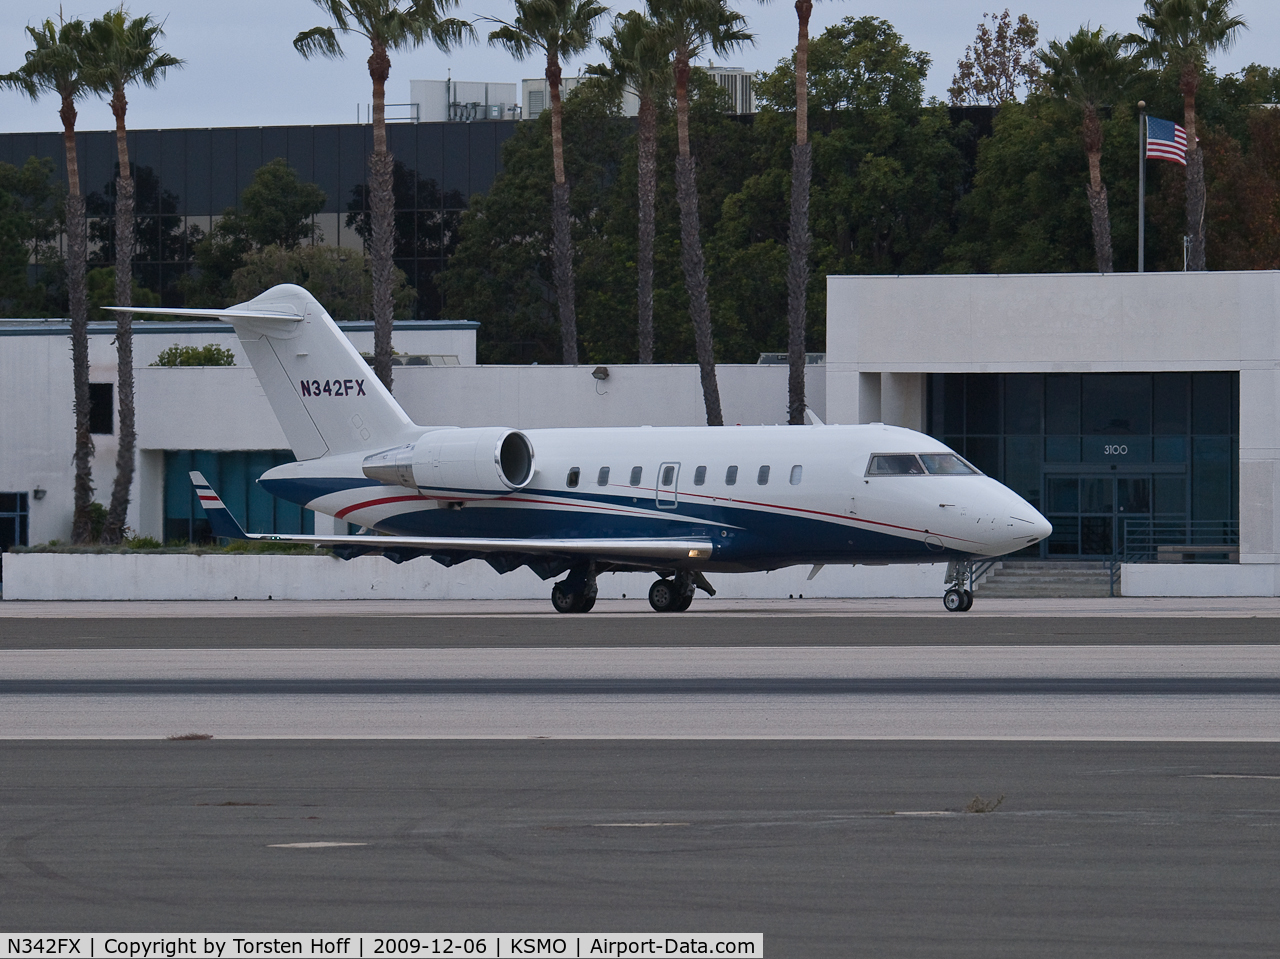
(242, 69)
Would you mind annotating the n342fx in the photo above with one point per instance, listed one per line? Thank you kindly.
(679, 502)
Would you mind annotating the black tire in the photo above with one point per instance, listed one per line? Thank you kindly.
(953, 600)
(589, 600)
(968, 601)
(685, 602)
(565, 600)
(664, 597)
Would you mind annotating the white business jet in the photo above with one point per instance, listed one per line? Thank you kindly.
(678, 502)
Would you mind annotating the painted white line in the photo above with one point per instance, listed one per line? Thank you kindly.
(313, 845)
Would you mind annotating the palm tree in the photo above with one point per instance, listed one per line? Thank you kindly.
(638, 61)
(1180, 36)
(54, 65)
(123, 51)
(688, 27)
(387, 25)
(1088, 71)
(798, 233)
(560, 29)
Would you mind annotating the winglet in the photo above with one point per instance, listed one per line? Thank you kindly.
(221, 521)
(811, 418)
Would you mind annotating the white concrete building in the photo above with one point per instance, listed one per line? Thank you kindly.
(1138, 411)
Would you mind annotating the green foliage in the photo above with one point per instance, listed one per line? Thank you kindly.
(97, 521)
(211, 354)
(339, 278)
(142, 542)
(30, 208)
(276, 210)
(860, 63)
(101, 284)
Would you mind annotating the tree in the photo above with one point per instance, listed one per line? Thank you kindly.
(276, 208)
(340, 279)
(1180, 36)
(55, 65)
(639, 61)
(388, 25)
(1088, 71)
(998, 63)
(560, 29)
(688, 27)
(123, 51)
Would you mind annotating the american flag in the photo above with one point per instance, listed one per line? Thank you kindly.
(1166, 141)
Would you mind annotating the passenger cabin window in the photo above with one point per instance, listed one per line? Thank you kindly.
(796, 472)
(946, 463)
(636, 473)
(699, 476)
(603, 478)
(731, 476)
(571, 480)
(895, 464)
(762, 478)
(668, 475)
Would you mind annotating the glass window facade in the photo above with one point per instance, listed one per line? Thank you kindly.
(234, 475)
(188, 178)
(1102, 453)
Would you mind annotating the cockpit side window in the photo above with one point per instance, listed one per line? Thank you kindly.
(947, 464)
(895, 464)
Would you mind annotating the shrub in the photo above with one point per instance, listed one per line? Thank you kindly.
(208, 355)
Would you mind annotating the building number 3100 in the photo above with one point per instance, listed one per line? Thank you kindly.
(1115, 450)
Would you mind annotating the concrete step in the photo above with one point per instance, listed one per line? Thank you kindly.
(1015, 579)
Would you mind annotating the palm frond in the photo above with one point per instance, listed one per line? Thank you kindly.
(318, 41)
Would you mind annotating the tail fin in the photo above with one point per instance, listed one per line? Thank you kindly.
(323, 393)
(221, 521)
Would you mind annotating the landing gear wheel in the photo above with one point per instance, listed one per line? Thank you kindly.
(968, 601)
(685, 602)
(954, 601)
(664, 597)
(567, 599)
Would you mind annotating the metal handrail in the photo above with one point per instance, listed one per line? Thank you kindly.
(979, 570)
(1143, 537)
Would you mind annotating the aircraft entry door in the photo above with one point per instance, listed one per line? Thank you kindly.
(668, 476)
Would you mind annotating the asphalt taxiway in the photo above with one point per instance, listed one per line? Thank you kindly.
(817, 771)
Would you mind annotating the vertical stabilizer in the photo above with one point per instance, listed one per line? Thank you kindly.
(322, 391)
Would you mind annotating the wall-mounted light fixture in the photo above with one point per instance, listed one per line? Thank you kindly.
(601, 372)
(38, 493)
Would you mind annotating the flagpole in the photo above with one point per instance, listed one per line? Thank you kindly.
(1142, 185)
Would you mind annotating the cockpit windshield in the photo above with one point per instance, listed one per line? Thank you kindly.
(947, 463)
(913, 464)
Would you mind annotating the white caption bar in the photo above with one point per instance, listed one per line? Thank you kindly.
(491, 945)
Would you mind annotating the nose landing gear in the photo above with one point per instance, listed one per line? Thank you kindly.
(958, 598)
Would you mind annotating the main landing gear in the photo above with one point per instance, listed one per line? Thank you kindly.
(674, 595)
(576, 593)
(958, 598)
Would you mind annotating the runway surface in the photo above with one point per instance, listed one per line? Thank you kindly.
(1168, 693)
(828, 848)
(628, 623)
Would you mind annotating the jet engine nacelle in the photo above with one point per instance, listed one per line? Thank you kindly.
(491, 461)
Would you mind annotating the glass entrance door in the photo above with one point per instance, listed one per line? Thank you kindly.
(1088, 513)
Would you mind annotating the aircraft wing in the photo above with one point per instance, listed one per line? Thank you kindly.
(225, 525)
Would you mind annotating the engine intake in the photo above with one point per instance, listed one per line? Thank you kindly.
(490, 461)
